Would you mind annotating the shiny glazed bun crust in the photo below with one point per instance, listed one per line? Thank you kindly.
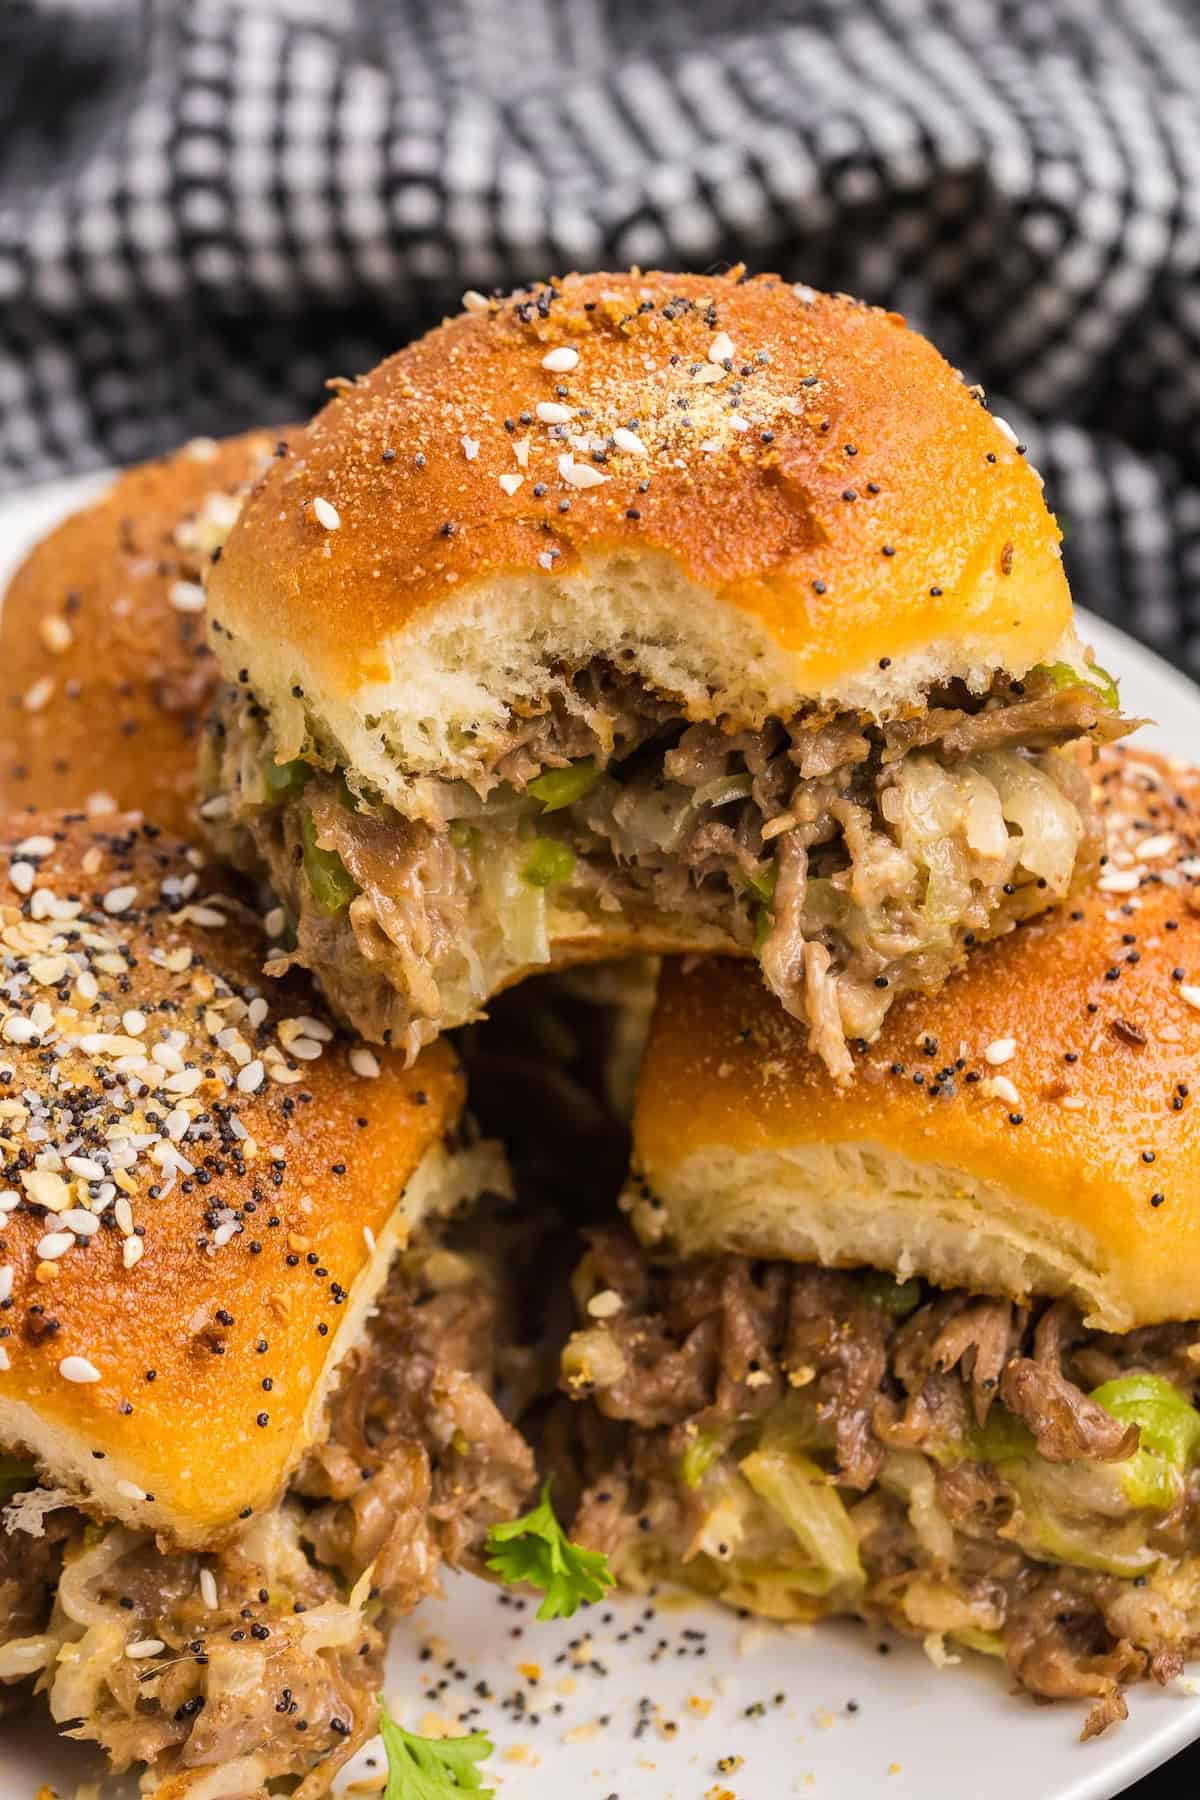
(202, 1183)
(1030, 1129)
(105, 673)
(750, 494)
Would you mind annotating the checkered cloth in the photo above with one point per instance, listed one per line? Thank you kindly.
(208, 206)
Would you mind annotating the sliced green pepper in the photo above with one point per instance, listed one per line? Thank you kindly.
(284, 780)
(763, 886)
(1065, 675)
(704, 1450)
(332, 884)
(559, 788)
(1169, 1436)
(889, 1295)
(549, 862)
(1001, 1438)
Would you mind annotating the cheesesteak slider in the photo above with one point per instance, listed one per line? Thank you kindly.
(653, 612)
(234, 1445)
(926, 1349)
(105, 671)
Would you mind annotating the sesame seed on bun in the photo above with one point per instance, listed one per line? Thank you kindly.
(747, 490)
(203, 1181)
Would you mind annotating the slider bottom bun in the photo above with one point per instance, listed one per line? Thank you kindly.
(203, 1667)
(981, 1475)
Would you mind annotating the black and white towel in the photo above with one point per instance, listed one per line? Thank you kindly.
(209, 206)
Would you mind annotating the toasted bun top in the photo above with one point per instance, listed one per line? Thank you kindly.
(105, 672)
(788, 487)
(1031, 1127)
(202, 1182)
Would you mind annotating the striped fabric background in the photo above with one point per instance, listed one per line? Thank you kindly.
(208, 206)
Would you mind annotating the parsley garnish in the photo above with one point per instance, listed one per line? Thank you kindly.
(432, 1768)
(536, 1549)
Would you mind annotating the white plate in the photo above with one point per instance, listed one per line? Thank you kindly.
(849, 1722)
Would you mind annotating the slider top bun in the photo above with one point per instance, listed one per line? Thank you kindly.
(202, 1184)
(794, 497)
(1032, 1129)
(105, 672)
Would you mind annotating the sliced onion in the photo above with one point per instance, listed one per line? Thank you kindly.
(724, 789)
(25, 1656)
(987, 834)
(937, 1607)
(593, 1358)
(912, 1476)
(518, 906)
(83, 1670)
(1050, 826)
(658, 817)
(728, 1508)
(931, 801)
(798, 1490)
(330, 1627)
(79, 1572)
(240, 1779)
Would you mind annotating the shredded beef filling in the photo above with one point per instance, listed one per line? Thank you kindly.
(857, 861)
(287, 1624)
(801, 1441)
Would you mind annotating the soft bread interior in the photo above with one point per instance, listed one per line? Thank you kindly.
(852, 1204)
(120, 1487)
(457, 672)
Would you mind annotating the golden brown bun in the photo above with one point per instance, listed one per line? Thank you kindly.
(1070, 1166)
(206, 1361)
(870, 530)
(105, 676)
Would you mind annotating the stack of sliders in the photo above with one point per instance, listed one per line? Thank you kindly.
(633, 614)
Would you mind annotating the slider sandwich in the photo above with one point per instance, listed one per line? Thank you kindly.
(106, 670)
(926, 1349)
(652, 613)
(245, 1403)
